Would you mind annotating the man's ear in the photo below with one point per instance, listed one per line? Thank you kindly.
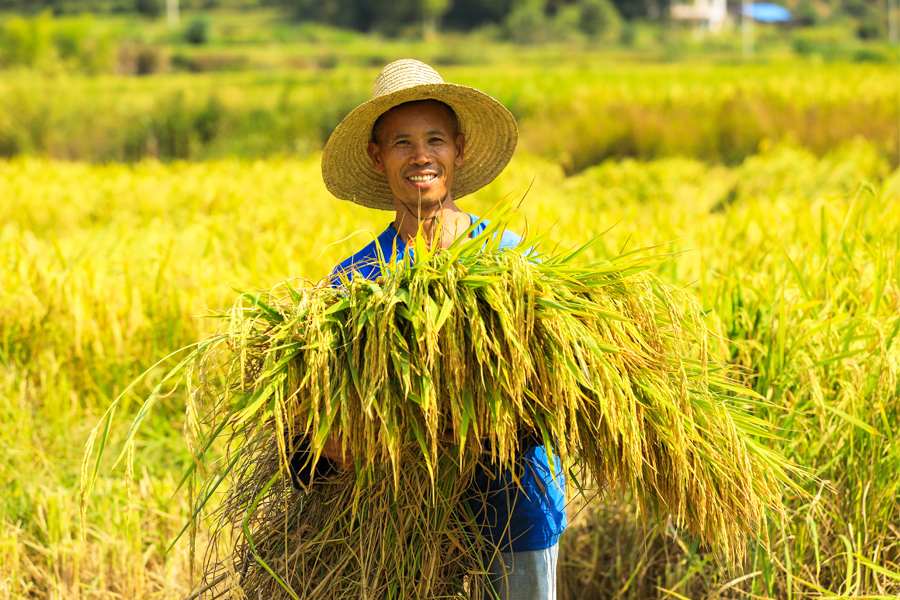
(375, 155)
(460, 148)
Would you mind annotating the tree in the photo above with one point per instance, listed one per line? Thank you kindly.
(526, 23)
(598, 17)
(432, 11)
(148, 8)
(465, 15)
(641, 9)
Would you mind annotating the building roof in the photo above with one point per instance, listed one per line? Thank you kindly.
(765, 12)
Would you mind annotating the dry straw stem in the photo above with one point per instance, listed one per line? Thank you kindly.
(348, 538)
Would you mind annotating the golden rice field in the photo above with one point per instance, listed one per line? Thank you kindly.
(106, 269)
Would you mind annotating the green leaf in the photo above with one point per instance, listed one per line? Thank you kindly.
(851, 419)
(445, 312)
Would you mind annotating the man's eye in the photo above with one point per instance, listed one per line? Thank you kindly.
(437, 140)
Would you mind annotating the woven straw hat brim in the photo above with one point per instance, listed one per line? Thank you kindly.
(490, 130)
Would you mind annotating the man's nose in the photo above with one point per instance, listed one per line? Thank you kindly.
(421, 155)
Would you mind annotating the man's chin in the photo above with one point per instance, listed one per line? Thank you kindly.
(423, 205)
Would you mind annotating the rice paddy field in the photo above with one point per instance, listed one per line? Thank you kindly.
(575, 108)
(791, 244)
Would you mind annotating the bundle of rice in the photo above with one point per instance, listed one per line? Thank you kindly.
(439, 366)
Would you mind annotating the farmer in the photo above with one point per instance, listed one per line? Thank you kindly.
(415, 149)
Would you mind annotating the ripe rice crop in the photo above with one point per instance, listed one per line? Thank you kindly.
(106, 266)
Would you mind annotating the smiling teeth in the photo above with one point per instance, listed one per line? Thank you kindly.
(422, 178)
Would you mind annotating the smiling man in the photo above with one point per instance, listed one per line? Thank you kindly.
(417, 147)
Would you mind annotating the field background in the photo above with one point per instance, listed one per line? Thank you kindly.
(147, 172)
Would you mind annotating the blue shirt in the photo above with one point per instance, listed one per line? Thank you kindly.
(515, 519)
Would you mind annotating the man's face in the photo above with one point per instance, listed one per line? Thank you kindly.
(418, 153)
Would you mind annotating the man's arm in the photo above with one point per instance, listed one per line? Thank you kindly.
(332, 451)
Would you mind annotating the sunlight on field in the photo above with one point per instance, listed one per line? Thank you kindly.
(105, 270)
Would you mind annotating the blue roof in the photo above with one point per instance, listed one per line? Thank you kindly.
(766, 12)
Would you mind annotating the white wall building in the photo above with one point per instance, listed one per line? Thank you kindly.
(707, 13)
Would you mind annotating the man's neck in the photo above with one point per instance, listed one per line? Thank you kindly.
(443, 225)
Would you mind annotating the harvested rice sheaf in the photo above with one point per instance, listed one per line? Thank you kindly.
(604, 363)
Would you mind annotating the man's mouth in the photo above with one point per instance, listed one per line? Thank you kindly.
(421, 178)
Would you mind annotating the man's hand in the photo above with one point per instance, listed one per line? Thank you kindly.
(449, 435)
(332, 451)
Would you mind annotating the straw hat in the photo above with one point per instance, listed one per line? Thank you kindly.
(490, 129)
